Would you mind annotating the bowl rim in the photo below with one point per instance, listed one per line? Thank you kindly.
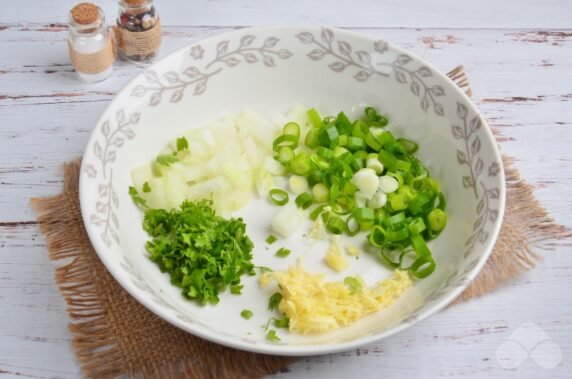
(282, 349)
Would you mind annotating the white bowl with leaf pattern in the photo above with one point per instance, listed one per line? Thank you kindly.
(270, 70)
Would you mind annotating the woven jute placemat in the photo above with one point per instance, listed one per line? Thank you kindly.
(114, 335)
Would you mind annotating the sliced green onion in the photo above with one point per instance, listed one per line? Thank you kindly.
(362, 154)
(397, 235)
(395, 219)
(398, 202)
(300, 164)
(420, 246)
(329, 137)
(304, 200)
(285, 141)
(291, 129)
(343, 124)
(324, 152)
(278, 196)
(398, 177)
(349, 188)
(442, 203)
(364, 216)
(355, 144)
(315, 118)
(372, 142)
(405, 207)
(420, 203)
(359, 129)
(320, 192)
(409, 145)
(285, 155)
(336, 225)
(370, 113)
(377, 236)
(317, 212)
(395, 148)
(437, 220)
(385, 138)
(387, 257)
(422, 267)
(352, 226)
(339, 151)
(347, 203)
(312, 140)
(417, 226)
(334, 192)
(391, 162)
(392, 255)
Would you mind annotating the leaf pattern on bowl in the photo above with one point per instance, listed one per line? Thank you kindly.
(343, 52)
(113, 136)
(346, 57)
(469, 155)
(174, 85)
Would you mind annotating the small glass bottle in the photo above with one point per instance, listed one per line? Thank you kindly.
(138, 31)
(90, 45)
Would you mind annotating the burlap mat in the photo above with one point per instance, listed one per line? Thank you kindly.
(114, 335)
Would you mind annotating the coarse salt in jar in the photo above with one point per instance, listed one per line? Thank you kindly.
(91, 47)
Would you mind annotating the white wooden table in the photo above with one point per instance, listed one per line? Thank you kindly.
(518, 55)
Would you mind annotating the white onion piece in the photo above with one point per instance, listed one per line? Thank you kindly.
(287, 220)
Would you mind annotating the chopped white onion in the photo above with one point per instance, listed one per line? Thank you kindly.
(298, 184)
(287, 220)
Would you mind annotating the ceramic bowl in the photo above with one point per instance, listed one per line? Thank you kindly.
(270, 70)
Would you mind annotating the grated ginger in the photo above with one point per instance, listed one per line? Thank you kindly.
(314, 306)
(334, 257)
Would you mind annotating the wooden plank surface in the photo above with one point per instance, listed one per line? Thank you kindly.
(518, 57)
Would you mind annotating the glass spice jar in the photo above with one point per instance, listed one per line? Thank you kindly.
(90, 45)
(138, 31)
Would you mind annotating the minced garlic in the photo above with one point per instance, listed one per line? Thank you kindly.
(313, 305)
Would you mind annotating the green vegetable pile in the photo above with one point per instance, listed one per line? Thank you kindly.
(362, 178)
(202, 252)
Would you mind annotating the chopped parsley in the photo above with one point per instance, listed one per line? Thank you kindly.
(246, 314)
(203, 253)
(272, 336)
(138, 200)
(275, 299)
(167, 159)
(236, 289)
(182, 144)
(281, 322)
(283, 252)
(271, 239)
(146, 187)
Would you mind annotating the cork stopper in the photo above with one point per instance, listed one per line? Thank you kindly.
(135, 2)
(85, 13)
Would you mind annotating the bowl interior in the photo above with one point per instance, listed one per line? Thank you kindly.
(270, 70)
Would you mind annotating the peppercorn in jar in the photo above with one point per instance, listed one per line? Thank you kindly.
(138, 31)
